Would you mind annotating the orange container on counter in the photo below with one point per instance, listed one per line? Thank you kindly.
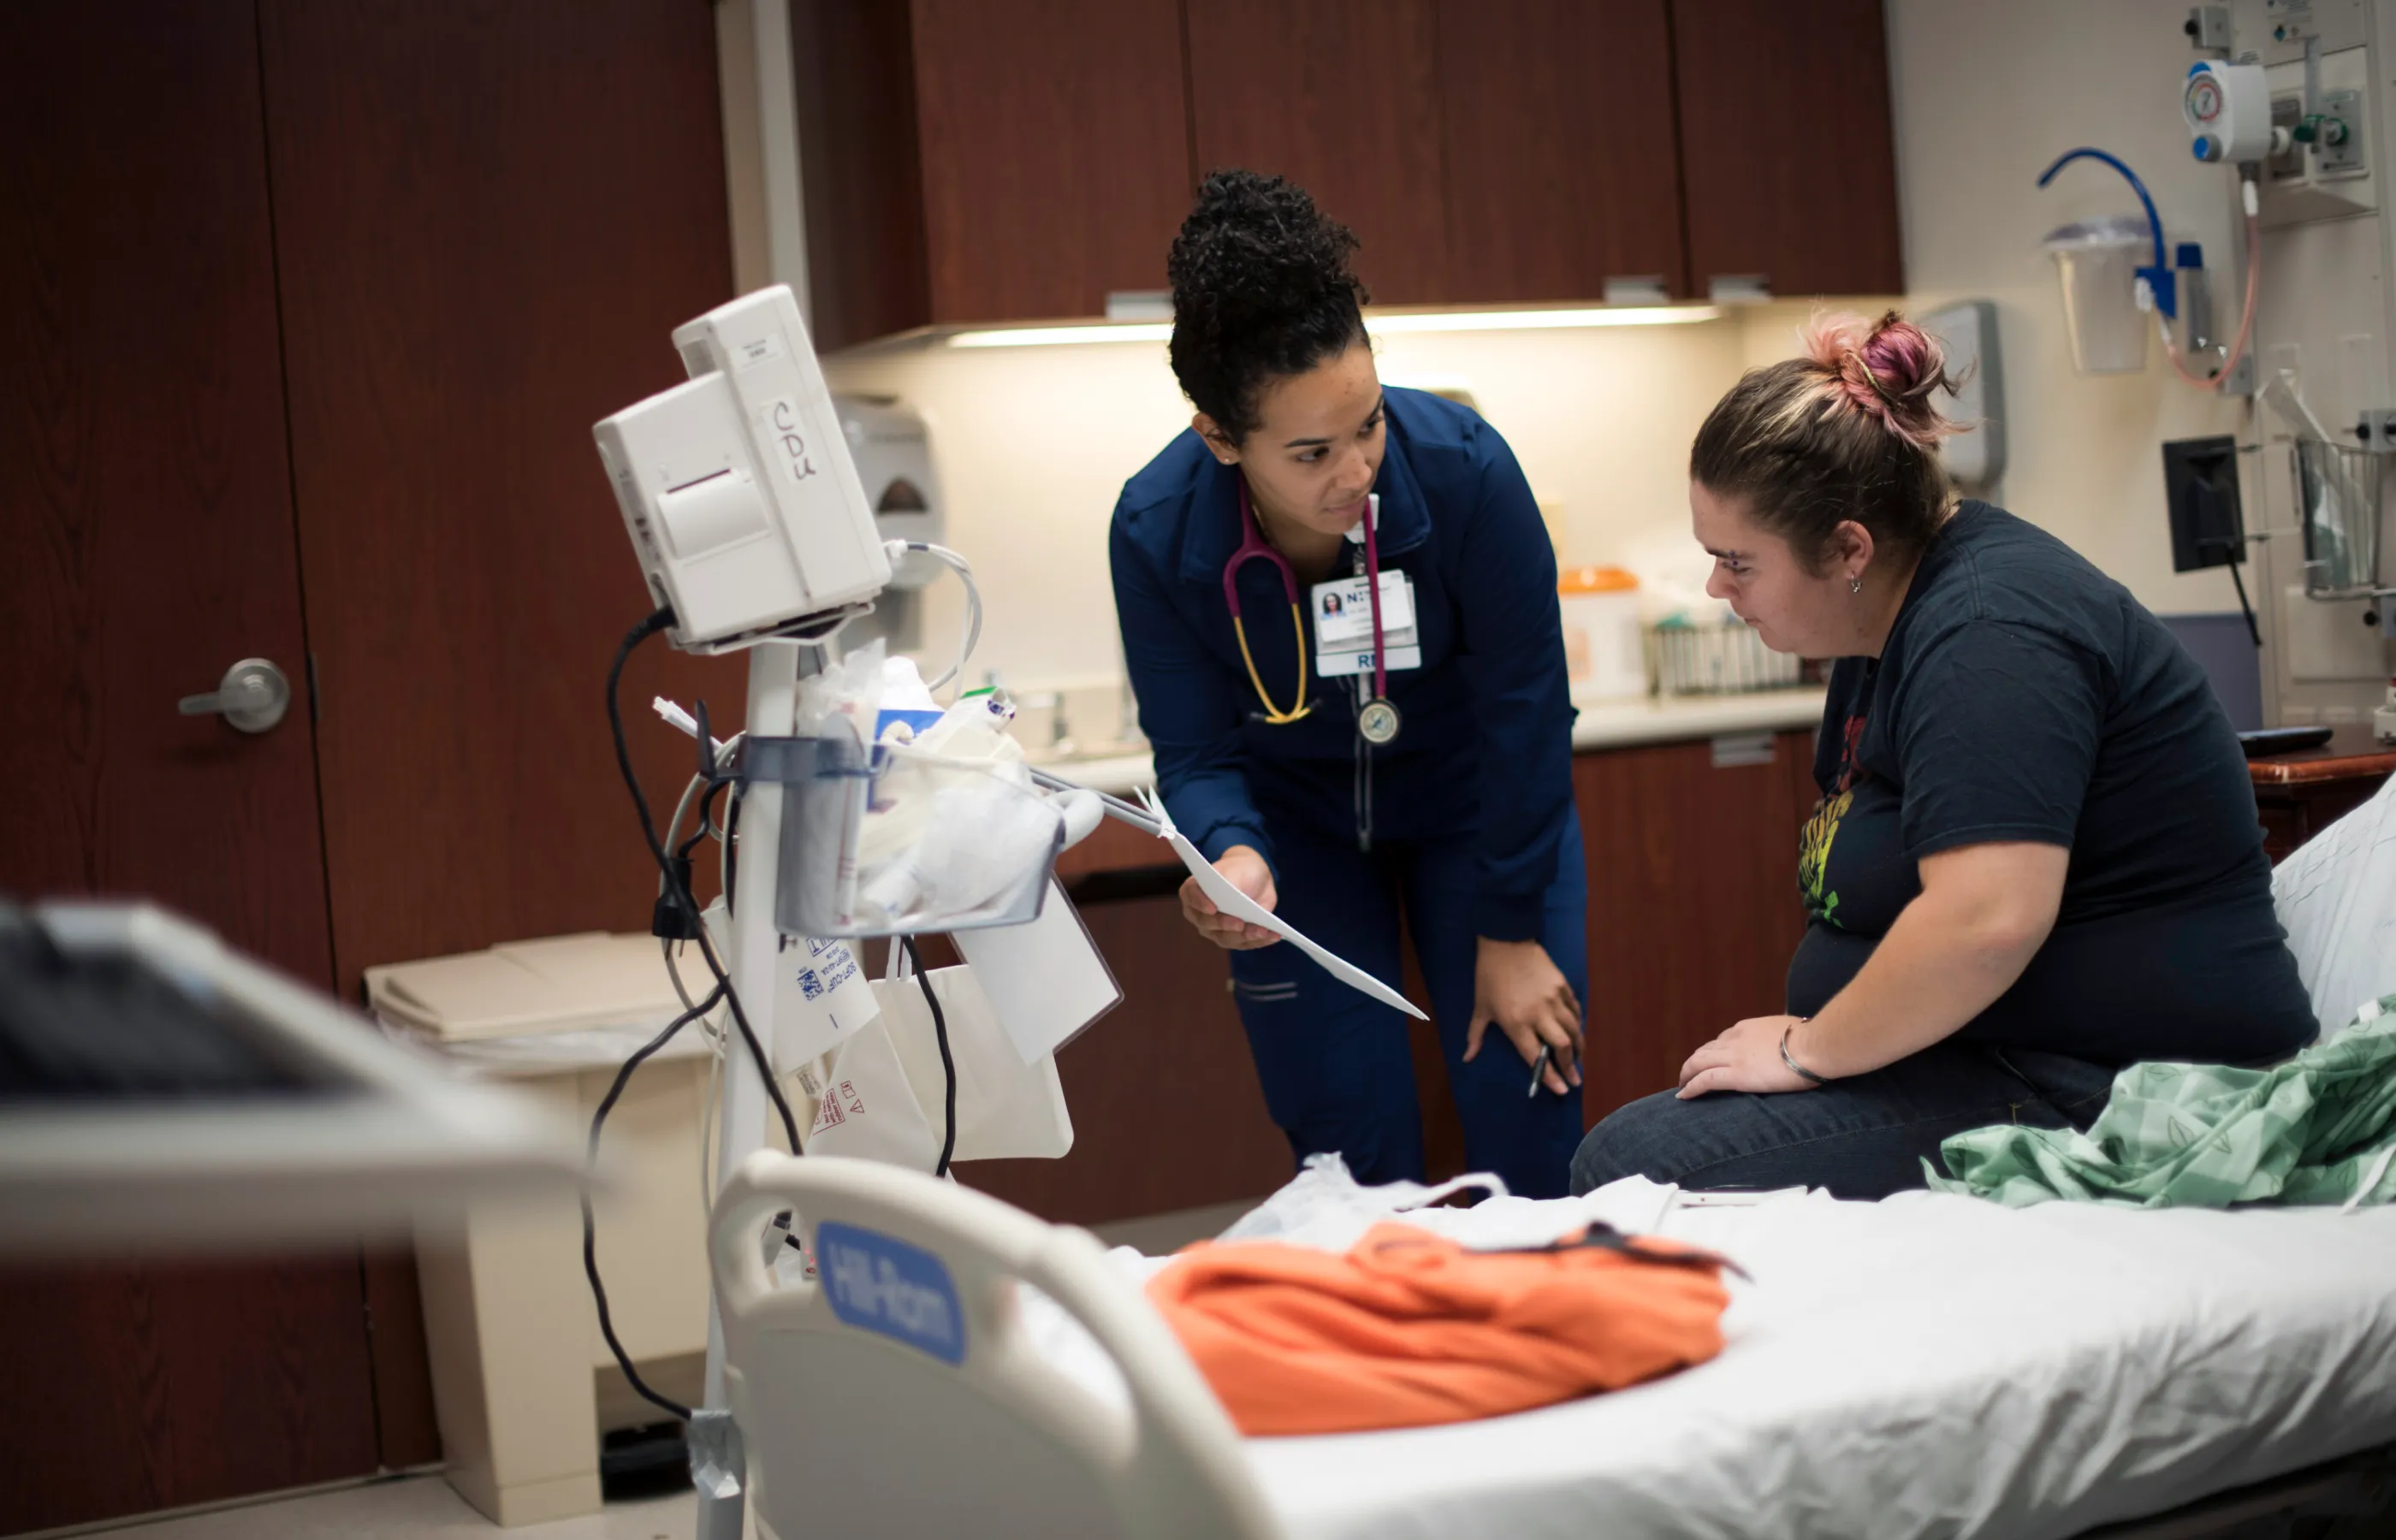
(1603, 649)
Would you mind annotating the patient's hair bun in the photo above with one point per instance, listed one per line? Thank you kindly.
(1888, 369)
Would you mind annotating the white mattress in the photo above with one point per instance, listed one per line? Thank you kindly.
(1928, 1365)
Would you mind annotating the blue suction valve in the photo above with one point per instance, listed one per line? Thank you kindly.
(2157, 276)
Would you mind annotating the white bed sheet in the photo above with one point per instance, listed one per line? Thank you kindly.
(1928, 1365)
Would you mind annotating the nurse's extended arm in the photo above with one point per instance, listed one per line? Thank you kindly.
(1189, 710)
(1191, 718)
(1983, 912)
(1511, 646)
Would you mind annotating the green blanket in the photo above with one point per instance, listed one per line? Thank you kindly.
(2319, 1128)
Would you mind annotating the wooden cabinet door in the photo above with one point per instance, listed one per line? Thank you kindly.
(1693, 903)
(145, 498)
(1342, 97)
(1786, 145)
(860, 170)
(1563, 168)
(1056, 152)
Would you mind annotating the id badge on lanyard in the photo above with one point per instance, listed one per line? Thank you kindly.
(1343, 626)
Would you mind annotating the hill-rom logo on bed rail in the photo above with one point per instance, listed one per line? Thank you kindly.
(879, 1284)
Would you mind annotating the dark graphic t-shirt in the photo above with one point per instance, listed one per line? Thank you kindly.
(2024, 696)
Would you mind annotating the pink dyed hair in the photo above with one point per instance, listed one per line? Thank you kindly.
(1847, 431)
(1885, 369)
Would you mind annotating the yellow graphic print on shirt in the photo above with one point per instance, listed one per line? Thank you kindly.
(1814, 847)
(1814, 855)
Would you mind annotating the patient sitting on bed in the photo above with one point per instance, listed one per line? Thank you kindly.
(2037, 857)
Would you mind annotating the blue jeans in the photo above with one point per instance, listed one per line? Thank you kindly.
(1861, 1138)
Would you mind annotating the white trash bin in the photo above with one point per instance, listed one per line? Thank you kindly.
(523, 1384)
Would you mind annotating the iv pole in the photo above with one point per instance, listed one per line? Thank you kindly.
(718, 1464)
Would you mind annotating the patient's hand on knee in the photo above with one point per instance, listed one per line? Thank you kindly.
(1744, 1058)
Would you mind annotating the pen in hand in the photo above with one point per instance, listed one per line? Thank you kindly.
(1539, 1069)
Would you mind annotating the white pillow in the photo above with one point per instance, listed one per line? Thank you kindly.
(2336, 896)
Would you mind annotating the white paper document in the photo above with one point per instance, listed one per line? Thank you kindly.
(1232, 901)
(1045, 980)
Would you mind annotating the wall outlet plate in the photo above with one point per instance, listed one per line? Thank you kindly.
(2344, 159)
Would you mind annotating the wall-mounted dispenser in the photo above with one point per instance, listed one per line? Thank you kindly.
(892, 449)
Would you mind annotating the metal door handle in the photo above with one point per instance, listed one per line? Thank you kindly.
(252, 697)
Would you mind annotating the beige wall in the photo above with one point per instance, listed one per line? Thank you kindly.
(1033, 444)
(1985, 97)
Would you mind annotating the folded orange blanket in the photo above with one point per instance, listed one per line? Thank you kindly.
(1409, 1328)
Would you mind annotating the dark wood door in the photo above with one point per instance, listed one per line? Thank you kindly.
(1786, 145)
(1342, 96)
(489, 220)
(1693, 904)
(1056, 152)
(1563, 162)
(145, 488)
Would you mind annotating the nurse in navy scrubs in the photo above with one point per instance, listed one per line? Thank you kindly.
(1397, 762)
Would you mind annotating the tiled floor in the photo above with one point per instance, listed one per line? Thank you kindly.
(413, 1507)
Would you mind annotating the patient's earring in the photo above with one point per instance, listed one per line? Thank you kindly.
(1855, 583)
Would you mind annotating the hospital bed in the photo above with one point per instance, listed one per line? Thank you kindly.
(1928, 1365)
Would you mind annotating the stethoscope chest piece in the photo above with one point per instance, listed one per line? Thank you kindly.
(1378, 723)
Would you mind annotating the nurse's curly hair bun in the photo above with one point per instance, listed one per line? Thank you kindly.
(1261, 289)
(1850, 430)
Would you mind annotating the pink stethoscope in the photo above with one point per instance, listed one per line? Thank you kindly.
(1377, 720)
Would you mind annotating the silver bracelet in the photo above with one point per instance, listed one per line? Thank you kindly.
(1786, 1059)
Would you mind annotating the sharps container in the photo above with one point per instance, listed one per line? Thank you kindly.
(2096, 261)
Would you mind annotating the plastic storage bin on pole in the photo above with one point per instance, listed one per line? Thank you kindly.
(2097, 262)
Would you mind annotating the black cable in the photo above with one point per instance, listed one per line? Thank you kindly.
(679, 891)
(705, 826)
(589, 1231)
(731, 848)
(948, 1065)
(2244, 608)
(707, 816)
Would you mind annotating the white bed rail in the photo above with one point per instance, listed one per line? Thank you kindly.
(898, 1394)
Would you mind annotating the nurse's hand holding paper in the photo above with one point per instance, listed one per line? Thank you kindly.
(1247, 870)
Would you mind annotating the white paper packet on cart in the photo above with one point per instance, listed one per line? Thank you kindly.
(1006, 1109)
(867, 1112)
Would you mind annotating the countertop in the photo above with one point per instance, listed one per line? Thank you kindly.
(1601, 725)
(2350, 754)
